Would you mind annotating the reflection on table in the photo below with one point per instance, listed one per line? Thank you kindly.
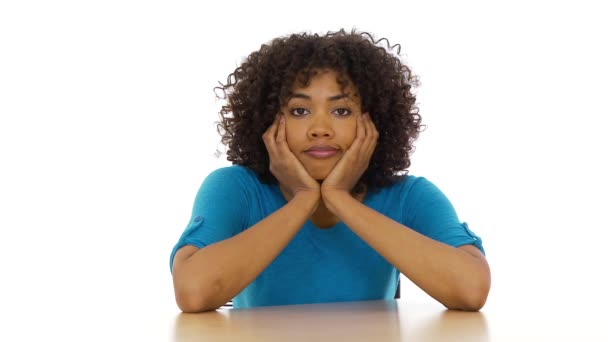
(393, 320)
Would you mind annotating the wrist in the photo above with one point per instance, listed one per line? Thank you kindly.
(308, 198)
(332, 196)
(333, 193)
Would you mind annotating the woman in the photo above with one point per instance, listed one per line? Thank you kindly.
(318, 206)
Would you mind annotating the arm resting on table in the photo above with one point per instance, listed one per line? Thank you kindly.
(205, 279)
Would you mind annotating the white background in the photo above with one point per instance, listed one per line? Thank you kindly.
(107, 130)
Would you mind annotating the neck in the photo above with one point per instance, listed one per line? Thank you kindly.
(324, 218)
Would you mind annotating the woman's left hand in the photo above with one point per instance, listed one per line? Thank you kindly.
(351, 166)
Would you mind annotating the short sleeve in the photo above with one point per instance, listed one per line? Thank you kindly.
(428, 211)
(220, 210)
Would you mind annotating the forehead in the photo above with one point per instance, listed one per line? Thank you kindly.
(326, 80)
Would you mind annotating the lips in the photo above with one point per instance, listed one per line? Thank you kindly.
(321, 148)
(322, 154)
(319, 152)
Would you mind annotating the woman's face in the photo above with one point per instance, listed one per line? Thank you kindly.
(321, 116)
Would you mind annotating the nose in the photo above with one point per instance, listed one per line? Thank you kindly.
(320, 127)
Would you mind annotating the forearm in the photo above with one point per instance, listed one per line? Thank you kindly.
(454, 277)
(218, 272)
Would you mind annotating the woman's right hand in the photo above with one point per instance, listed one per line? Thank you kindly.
(291, 174)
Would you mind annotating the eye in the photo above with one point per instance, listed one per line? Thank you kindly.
(298, 111)
(342, 111)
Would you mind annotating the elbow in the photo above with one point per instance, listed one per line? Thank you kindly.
(475, 299)
(474, 303)
(472, 298)
(475, 295)
(467, 303)
(189, 303)
(193, 303)
(193, 299)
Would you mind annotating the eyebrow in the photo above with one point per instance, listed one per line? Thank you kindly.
(306, 97)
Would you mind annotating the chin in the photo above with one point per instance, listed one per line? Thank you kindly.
(319, 172)
(318, 176)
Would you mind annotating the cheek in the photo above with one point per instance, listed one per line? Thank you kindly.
(350, 133)
(291, 136)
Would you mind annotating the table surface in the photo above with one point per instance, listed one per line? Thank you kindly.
(353, 321)
(394, 320)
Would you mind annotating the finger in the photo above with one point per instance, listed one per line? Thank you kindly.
(359, 138)
(270, 137)
(366, 121)
(368, 128)
(271, 131)
(371, 136)
(282, 146)
(364, 136)
(374, 131)
(281, 130)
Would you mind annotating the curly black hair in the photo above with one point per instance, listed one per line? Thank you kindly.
(258, 87)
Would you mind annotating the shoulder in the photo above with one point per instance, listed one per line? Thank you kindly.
(415, 186)
(405, 185)
(234, 174)
(234, 180)
(229, 181)
(410, 194)
(232, 170)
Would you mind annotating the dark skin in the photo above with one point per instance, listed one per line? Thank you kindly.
(458, 277)
(321, 112)
(293, 177)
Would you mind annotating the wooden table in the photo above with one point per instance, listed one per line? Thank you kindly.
(394, 320)
(354, 321)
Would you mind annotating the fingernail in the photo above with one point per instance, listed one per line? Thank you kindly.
(282, 119)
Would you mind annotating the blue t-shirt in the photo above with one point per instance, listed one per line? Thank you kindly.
(318, 265)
